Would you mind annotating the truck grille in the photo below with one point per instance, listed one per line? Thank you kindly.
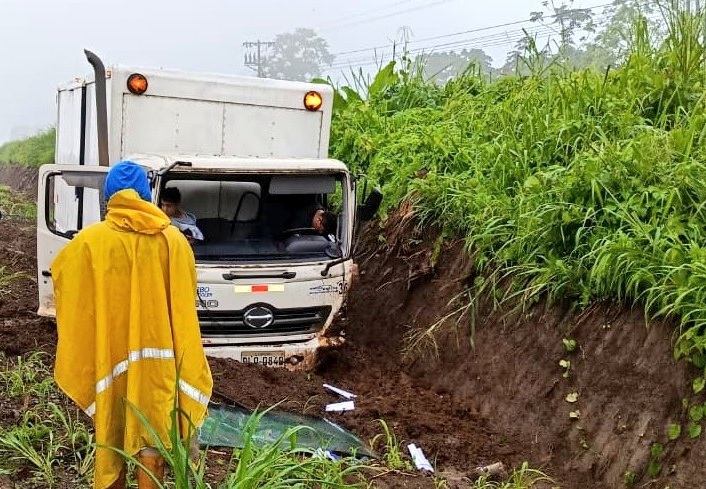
(286, 321)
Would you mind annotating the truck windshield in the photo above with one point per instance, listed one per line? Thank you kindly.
(259, 218)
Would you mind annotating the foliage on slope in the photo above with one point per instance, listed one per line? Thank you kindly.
(579, 185)
(36, 150)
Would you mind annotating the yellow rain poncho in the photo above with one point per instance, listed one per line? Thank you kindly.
(125, 292)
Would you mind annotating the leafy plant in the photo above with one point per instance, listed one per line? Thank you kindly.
(696, 413)
(34, 444)
(694, 430)
(392, 451)
(629, 478)
(654, 468)
(569, 344)
(674, 431)
(522, 478)
(27, 377)
(572, 397)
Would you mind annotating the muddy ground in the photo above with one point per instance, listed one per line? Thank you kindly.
(502, 400)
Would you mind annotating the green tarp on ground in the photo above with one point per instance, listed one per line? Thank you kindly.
(225, 427)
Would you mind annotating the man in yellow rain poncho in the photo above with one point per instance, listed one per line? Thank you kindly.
(129, 337)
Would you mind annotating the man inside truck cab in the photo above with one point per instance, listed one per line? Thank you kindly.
(325, 223)
(169, 201)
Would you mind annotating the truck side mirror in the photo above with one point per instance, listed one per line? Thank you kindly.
(368, 209)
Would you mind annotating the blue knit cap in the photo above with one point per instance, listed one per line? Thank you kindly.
(124, 175)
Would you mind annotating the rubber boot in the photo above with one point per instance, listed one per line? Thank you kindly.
(152, 461)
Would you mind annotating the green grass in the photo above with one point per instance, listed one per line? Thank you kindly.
(522, 478)
(572, 186)
(392, 450)
(49, 439)
(36, 150)
(14, 205)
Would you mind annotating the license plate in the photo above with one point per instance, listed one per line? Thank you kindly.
(266, 358)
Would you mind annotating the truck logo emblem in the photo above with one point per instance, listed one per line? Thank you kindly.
(258, 317)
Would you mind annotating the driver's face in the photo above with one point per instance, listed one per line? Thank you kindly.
(318, 221)
(170, 208)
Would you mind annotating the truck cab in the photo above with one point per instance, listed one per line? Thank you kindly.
(249, 158)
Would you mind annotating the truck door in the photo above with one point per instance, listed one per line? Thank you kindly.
(68, 200)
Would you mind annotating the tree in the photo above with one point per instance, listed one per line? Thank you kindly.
(300, 55)
(528, 56)
(581, 43)
(445, 66)
(614, 40)
(617, 35)
(571, 22)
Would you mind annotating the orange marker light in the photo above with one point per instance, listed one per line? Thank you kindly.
(137, 84)
(313, 101)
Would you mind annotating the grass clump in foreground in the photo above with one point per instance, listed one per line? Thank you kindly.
(41, 434)
(35, 150)
(522, 478)
(280, 464)
(47, 442)
(568, 185)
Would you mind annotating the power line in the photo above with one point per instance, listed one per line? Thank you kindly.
(367, 12)
(497, 38)
(490, 40)
(473, 43)
(470, 31)
(392, 14)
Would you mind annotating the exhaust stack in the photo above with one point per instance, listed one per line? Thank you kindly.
(101, 107)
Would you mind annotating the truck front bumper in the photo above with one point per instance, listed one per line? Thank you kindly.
(290, 355)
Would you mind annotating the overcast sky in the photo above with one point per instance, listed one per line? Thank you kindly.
(42, 41)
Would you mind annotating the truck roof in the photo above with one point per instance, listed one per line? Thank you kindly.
(203, 77)
(203, 164)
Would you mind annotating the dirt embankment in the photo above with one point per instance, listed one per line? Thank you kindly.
(629, 387)
(20, 178)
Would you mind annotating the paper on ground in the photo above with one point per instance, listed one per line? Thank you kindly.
(340, 392)
(341, 406)
(420, 461)
(328, 454)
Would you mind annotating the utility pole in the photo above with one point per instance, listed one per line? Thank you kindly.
(256, 53)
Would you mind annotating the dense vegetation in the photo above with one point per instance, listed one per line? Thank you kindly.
(36, 150)
(573, 185)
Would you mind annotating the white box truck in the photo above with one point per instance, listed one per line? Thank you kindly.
(250, 159)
